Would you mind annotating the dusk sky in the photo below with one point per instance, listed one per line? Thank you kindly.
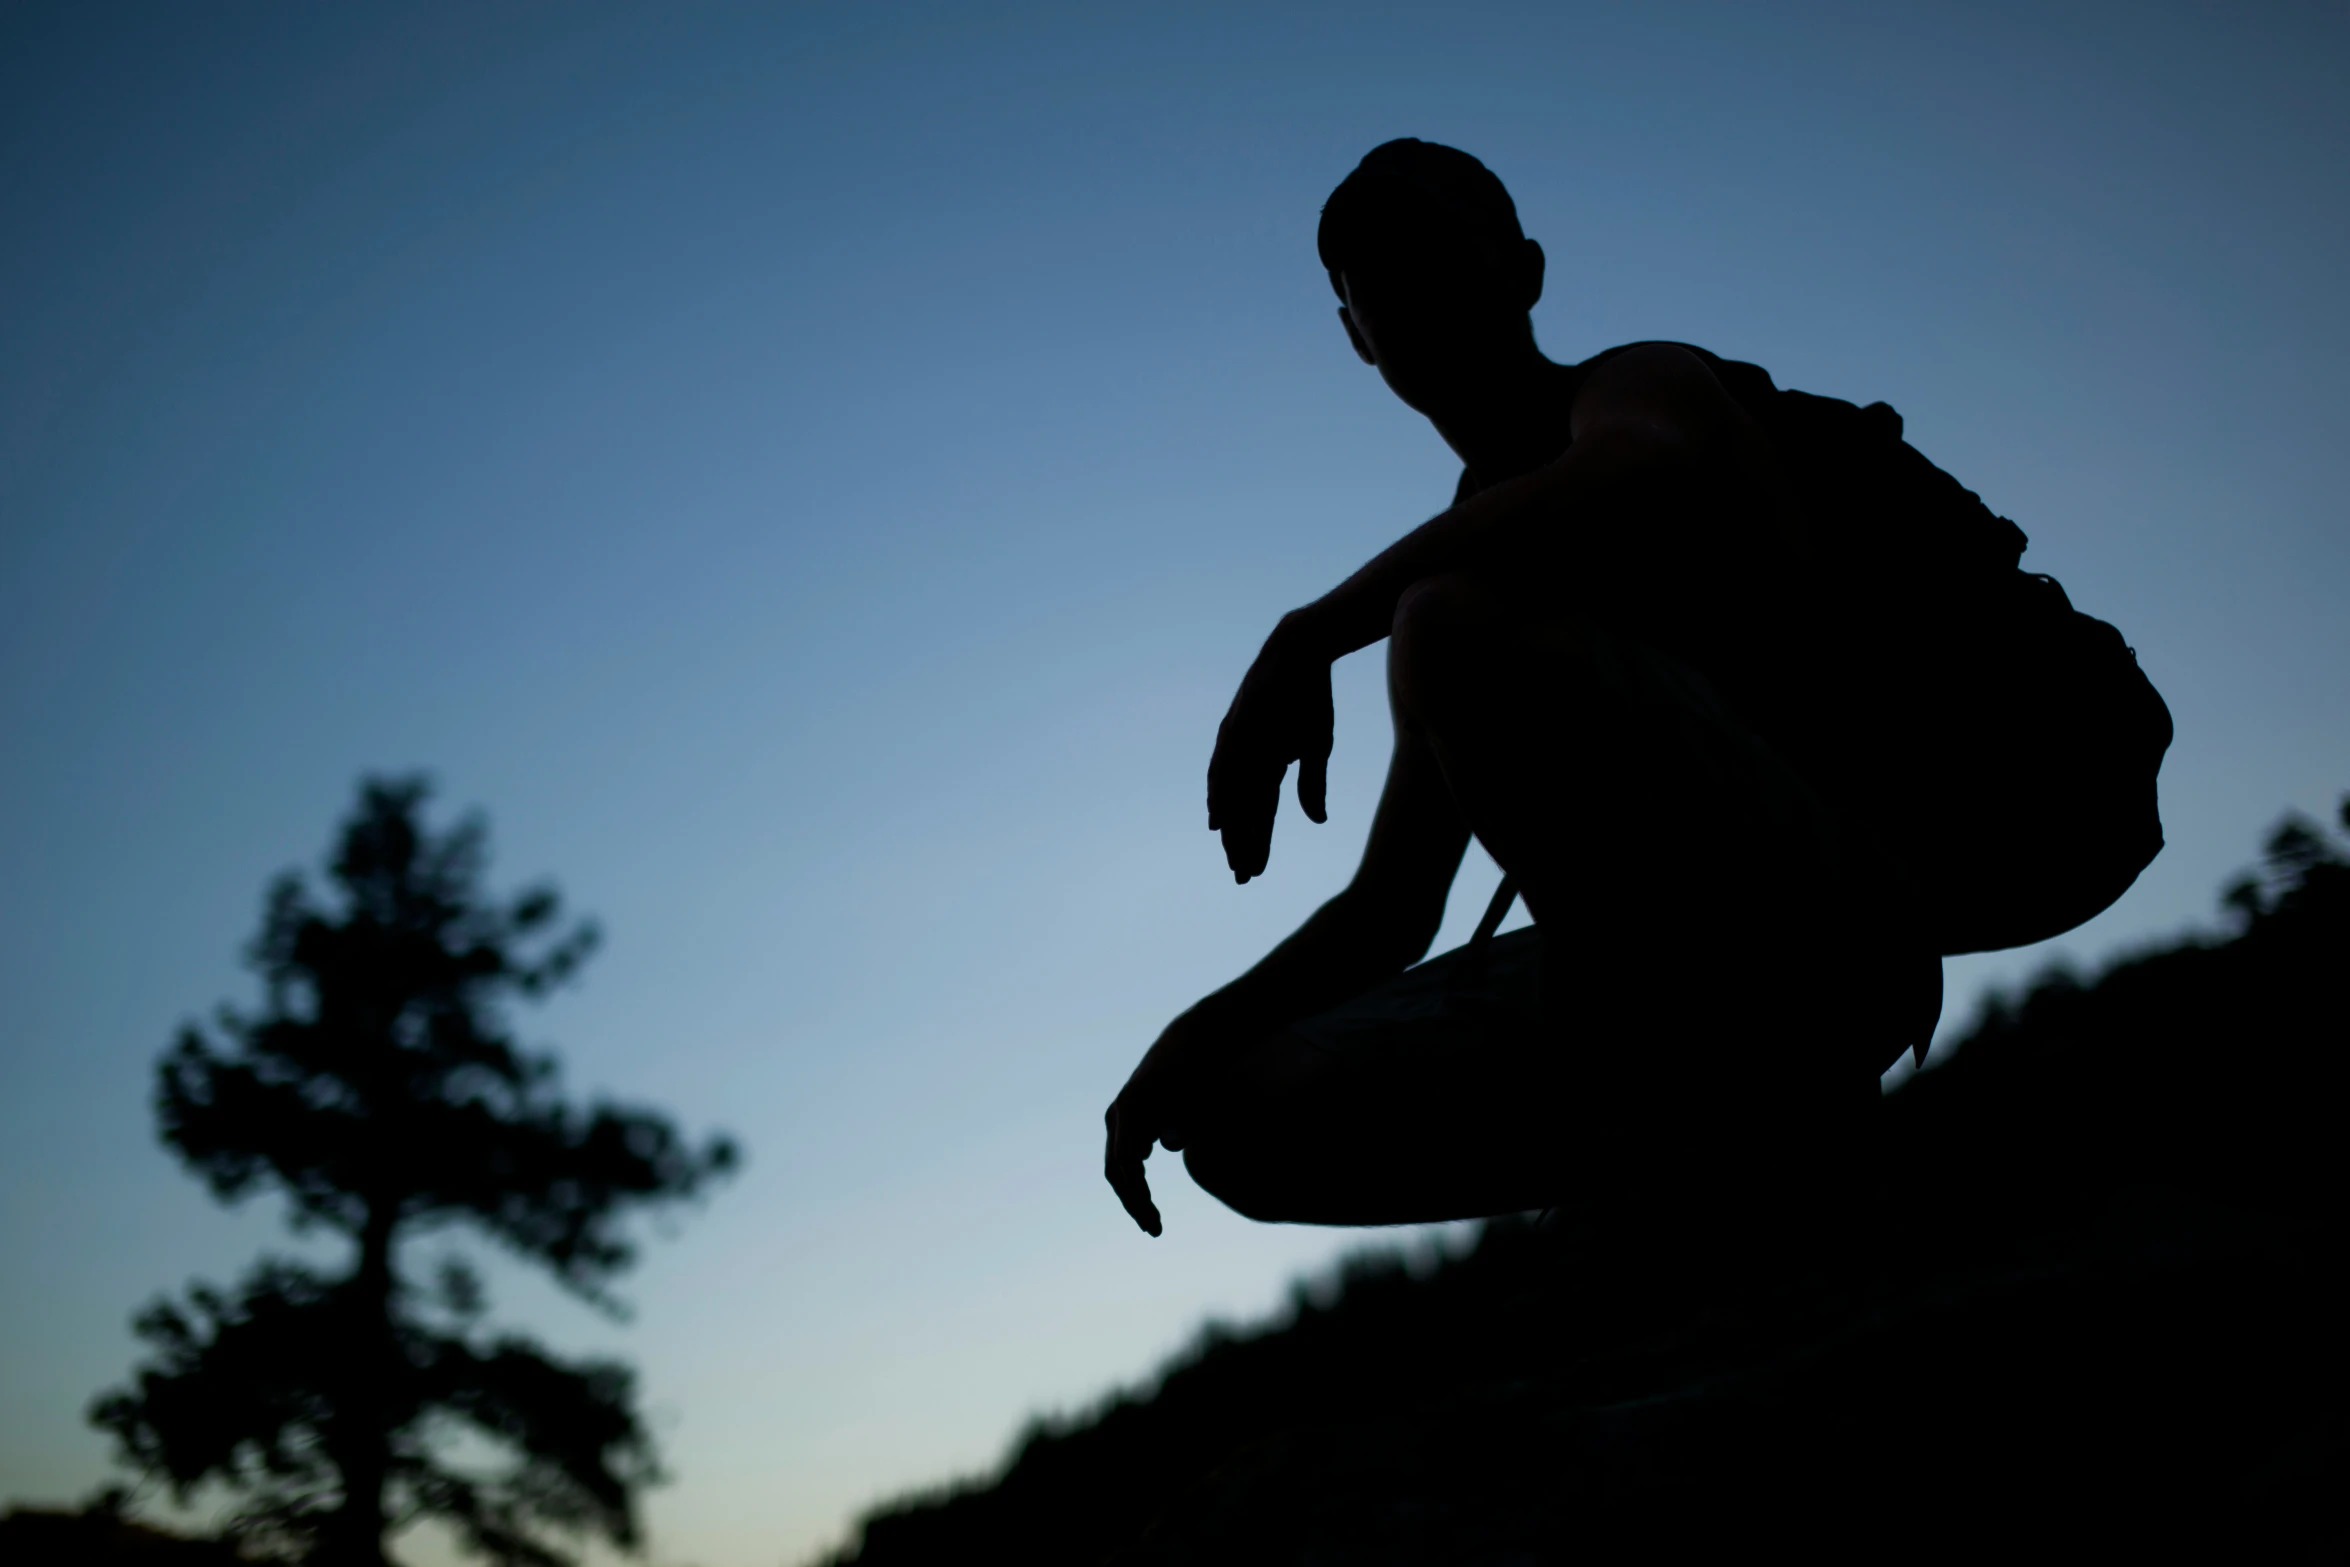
(813, 475)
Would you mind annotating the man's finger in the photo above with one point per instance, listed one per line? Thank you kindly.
(1313, 784)
(1135, 1193)
(1235, 779)
(1122, 1165)
(1247, 846)
(1218, 785)
(1245, 821)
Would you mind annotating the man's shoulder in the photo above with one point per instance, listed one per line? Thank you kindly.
(1667, 349)
(1748, 385)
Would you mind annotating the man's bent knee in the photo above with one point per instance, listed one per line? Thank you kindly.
(1436, 611)
(1446, 632)
(1237, 1180)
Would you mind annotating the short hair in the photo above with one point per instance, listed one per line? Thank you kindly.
(1412, 198)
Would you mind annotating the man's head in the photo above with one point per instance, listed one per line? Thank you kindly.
(1433, 273)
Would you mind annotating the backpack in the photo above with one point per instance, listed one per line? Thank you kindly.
(1998, 743)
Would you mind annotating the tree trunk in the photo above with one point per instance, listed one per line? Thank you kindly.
(360, 1439)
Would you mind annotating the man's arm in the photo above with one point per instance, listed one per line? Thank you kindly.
(1384, 919)
(1645, 417)
(1378, 926)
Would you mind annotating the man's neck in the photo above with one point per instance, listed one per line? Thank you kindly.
(1516, 423)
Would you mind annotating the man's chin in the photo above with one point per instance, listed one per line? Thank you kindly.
(1452, 393)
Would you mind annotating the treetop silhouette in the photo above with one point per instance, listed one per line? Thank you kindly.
(380, 1089)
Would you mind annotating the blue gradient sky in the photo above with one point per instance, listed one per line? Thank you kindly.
(814, 474)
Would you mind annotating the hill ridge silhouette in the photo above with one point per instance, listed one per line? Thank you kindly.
(2087, 1298)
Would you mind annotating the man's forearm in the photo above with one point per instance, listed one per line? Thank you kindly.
(1342, 950)
(1567, 493)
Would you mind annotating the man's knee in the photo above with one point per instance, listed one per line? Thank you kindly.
(1446, 633)
(1238, 1180)
(1435, 613)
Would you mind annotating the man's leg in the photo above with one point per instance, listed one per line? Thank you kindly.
(1429, 1097)
(1694, 903)
(1633, 808)
(1722, 960)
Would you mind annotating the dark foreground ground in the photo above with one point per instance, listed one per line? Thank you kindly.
(2093, 1307)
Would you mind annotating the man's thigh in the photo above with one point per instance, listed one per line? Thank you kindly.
(1433, 1096)
(1468, 1087)
(1611, 777)
(1706, 990)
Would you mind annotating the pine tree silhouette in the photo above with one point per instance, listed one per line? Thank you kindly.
(379, 1090)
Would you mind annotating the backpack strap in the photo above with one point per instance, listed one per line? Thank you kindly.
(1471, 970)
(1503, 896)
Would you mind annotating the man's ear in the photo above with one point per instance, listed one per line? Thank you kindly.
(1532, 262)
(1354, 335)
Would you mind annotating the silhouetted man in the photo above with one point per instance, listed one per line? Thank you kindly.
(1580, 667)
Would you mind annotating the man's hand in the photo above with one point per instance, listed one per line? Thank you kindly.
(1154, 1107)
(1281, 714)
